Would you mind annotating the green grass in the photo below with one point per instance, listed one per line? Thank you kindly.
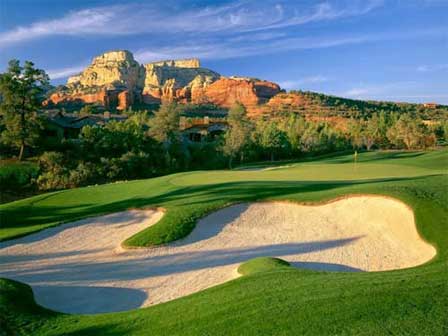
(262, 264)
(189, 196)
(269, 299)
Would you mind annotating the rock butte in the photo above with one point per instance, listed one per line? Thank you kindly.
(80, 267)
(115, 79)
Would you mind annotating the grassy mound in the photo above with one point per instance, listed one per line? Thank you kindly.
(262, 264)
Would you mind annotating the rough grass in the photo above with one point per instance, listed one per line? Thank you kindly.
(281, 301)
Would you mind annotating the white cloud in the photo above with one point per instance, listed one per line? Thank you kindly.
(249, 44)
(356, 92)
(395, 91)
(379, 90)
(432, 68)
(65, 72)
(235, 17)
(297, 84)
(89, 21)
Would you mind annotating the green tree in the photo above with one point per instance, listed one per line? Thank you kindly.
(164, 126)
(87, 110)
(294, 127)
(21, 92)
(355, 133)
(374, 131)
(269, 137)
(310, 139)
(407, 131)
(238, 133)
(444, 127)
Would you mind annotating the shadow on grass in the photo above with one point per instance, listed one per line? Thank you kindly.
(237, 191)
(374, 156)
(145, 266)
(113, 218)
(327, 267)
(89, 299)
(109, 329)
(339, 157)
(65, 285)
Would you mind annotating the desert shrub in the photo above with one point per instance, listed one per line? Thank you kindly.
(84, 174)
(136, 165)
(15, 176)
(54, 171)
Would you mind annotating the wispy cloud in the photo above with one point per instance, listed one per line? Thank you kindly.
(237, 16)
(223, 48)
(400, 90)
(88, 21)
(246, 45)
(363, 90)
(66, 72)
(297, 84)
(432, 67)
(357, 92)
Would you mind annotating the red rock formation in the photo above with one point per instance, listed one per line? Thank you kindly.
(101, 97)
(227, 91)
(125, 100)
(107, 98)
(115, 79)
(287, 99)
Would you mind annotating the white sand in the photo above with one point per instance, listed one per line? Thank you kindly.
(80, 268)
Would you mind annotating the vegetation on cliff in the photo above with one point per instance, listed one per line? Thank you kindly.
(319, 104)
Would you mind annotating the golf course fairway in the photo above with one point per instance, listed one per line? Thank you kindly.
(269, 297)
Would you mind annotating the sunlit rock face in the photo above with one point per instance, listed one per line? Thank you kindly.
(115, 79)
(248, 91)
(176, 80)
(114, 68)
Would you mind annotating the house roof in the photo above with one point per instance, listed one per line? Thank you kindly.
(72, 120)
(209, 127)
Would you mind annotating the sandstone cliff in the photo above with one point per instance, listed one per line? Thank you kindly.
(175, 80)
(113, 69)
(116, 80)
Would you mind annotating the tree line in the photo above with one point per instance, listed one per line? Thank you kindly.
(151, 144)
(289, 136)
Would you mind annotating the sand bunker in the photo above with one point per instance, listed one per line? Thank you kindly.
(79, 267)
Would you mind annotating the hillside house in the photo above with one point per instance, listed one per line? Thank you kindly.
(59, 125)
(203, 129)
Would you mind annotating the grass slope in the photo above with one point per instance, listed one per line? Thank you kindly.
(262, 264)
(281, 301)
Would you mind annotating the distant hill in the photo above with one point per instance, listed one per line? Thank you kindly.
(318, 104)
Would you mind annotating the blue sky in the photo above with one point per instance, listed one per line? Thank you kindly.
(367, 49)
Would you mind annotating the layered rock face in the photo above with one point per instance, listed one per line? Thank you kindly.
(116, 80)
(111, 80)
(248, 91)
(176, 81)
(287, 100)
(113, 69)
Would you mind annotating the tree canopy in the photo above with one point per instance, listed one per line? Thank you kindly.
(21, 90)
